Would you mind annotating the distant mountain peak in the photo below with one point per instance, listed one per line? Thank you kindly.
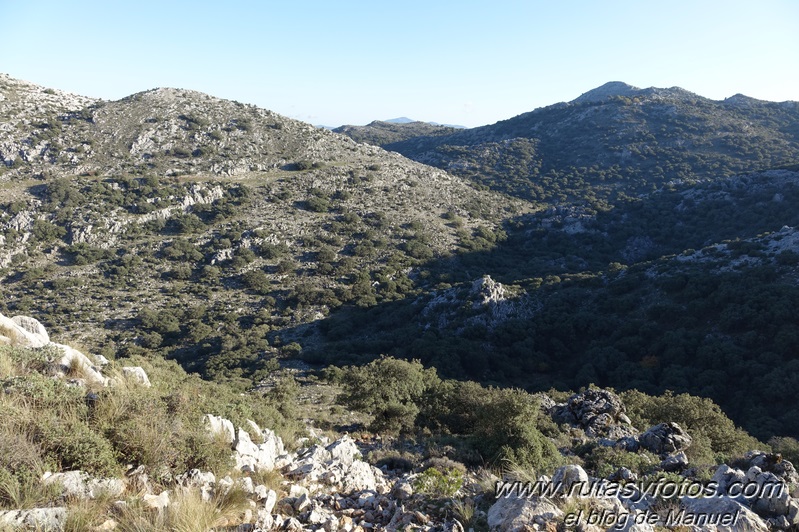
(608, 90)
(400, 120)
(741, 99)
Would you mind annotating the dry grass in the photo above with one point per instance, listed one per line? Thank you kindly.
(187, 512)
(272, 479)
(7, 366)
(13, 335)
(21, 463)
(513, 471)
(464, 509)
(87, 514)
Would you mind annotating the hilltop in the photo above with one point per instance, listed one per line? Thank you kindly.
(614, 141)
(174, 203)
(380, 133)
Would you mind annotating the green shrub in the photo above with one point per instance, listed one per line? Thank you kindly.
(602, 461)
(715, 437)
(45, 232)
(257, 281)
(72, 444)
(390, 390)
(787, 447)
(439, 483)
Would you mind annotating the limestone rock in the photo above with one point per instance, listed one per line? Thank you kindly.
(136, 374)
(73, 361)
(725, 475)
(33, 327)
(269, 501)
(256, 457)
(748, 521)
(220, 426)
(344, 450)
(599, 412)
(675, 462)
(403, 489)
(44, 519)
(157, 502)
(81, 485)
(510, 514)
(665, 438)
(195, 478)
(773, 463)
(19, 335)
(360, 476)
(566, 476)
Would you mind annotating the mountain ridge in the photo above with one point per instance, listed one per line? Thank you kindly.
(614, 145)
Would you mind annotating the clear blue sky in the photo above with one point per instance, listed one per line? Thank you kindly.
(350, 61)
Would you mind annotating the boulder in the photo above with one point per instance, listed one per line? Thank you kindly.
(45, 519)
(221, 427)
(571, 475)
(136, 374)
(774, 463)
(675, 462)
(156, 502)
(195, 478)
(725, 476)
(81, 485)
(256, 457)
(518, 514)
(403, 489)
(773, 496)
(73, 361)
(344, 450)
(599, 412)
(746, 521)
(360, 477)
(269, 501)
(665, 438)
(33, 327)
(15, 334)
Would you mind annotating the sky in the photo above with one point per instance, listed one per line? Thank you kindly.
(463, 62)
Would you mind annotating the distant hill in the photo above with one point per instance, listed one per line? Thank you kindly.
(613, 140)
(379, 133)
(400, 120)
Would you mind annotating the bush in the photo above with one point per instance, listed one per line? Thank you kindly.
(44, 231)
(715, 437)
(602, 461)
(439, 483)
(317, 204)
(257, 281)
(390, 390)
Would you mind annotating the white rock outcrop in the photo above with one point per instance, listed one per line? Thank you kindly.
(136, 374)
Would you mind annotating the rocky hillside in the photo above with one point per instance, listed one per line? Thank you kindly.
(616, 140)
(95, 444)
(161, 132)
(230, 239)
(688, 289)
(171, 202)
